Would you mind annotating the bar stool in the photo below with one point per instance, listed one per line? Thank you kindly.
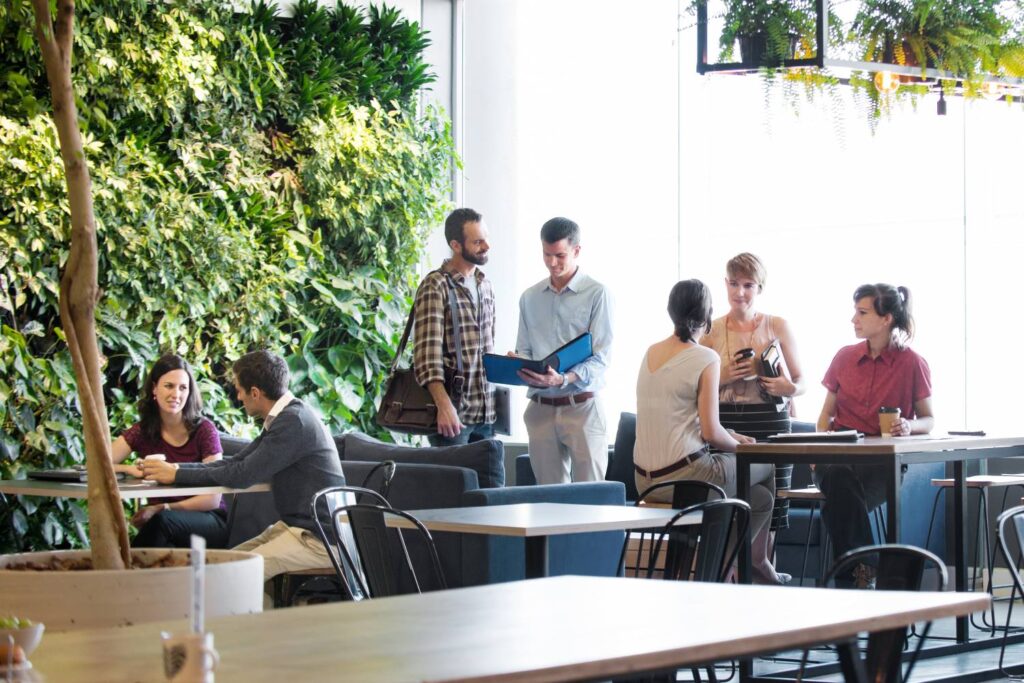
(981, 483)
(816, 498)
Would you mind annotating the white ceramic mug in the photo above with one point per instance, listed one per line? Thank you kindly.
(189, 658)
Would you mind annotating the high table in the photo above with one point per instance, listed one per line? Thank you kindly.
(536, 522)
(893, 453)
(128, 489)
(553, 629)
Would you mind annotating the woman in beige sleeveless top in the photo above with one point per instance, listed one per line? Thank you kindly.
(677, 417)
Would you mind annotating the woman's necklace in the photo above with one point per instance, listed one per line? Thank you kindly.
(739, 388)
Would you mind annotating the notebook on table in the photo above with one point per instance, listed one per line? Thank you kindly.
(817, 437)
(75, 474)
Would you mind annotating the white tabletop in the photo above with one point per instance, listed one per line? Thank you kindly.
(542, 519)
(550, 629)
(128, 489)
(881, 445)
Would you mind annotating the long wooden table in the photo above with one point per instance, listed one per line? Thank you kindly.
(537, 522)
(893, 453)
(553, 629)
(129, 489)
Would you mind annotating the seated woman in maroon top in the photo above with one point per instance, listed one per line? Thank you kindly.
(881, 371)
(172, 424)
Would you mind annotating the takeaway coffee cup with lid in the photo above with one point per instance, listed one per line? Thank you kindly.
(742, 355)
(887, 417)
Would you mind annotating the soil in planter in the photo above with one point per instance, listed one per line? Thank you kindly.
(85, 564)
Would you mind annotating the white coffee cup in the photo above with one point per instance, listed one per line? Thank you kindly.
(156, 456)
(189, 658)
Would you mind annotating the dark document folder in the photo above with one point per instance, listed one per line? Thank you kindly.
(817, 437)
(504, 369)
(73, 474)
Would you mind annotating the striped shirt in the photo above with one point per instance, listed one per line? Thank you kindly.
(433, 341)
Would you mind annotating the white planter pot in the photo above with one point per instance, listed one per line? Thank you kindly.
(68, 600)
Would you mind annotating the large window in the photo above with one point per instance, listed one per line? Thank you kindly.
(593, 110)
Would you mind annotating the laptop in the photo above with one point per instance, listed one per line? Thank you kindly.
(74, 474)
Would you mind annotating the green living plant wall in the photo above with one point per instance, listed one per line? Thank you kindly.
(259, 181)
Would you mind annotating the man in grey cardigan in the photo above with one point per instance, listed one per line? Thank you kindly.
(294, 453)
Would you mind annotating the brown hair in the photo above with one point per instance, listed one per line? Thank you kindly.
(889, 300)
(747, 265)
(689, 306)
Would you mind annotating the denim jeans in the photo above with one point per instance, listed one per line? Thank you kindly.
(469, 434)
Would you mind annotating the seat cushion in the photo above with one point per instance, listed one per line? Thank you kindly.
(486, 458)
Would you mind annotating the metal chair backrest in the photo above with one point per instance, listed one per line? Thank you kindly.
(1014, 515)
(385, 563)
(340, 547)
(705, 551)
(685, 493)
(386, 470)
(897, 567)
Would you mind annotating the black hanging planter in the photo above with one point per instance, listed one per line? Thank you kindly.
(756, 49)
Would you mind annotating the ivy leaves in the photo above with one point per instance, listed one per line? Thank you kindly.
(258, 182)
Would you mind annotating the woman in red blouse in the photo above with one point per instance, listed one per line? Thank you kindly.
(172, 424)
(880, 371)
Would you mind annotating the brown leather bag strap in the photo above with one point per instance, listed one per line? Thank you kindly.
(456, 326)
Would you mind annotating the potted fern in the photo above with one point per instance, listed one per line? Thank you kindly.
(767, 31)
(967, 38)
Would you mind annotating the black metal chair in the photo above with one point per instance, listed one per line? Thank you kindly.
(323, 585)
(386, 565)
(698, 552)
(893, 567)
(685, 493)
(1014, 515)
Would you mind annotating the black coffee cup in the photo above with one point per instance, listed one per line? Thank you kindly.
(742, 355)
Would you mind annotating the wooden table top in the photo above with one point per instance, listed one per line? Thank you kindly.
(551, 629)
(542, 519)
(879, 445)
(128, 489)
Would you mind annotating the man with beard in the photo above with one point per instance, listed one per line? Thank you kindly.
(465, 407)
(564, 419)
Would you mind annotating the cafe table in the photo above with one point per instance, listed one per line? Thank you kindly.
(127, 489)
(552, 629)
(537, 522)
(892, 453)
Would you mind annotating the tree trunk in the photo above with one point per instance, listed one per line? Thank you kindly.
(79, 292)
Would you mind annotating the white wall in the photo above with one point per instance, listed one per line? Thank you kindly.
(591, 110)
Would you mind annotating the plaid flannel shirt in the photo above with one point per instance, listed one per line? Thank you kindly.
(433, 344)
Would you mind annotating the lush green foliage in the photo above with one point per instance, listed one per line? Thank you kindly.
(258, 181)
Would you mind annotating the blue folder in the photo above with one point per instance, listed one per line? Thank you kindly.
(503, 369)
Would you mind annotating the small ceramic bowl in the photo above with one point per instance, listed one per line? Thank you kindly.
(27, 638)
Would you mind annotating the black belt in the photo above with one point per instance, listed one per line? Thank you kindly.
(575, 399)
(674, 467)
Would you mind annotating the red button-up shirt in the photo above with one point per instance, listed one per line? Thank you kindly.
(862, 384)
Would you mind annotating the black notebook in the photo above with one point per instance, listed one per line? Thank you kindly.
(65, 474)
(817, 437)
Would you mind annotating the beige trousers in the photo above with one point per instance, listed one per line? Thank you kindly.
(720, 468)
(567, 443)
(287, 549)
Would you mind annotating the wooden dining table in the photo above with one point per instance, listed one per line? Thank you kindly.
(537, 522)
(892, 453)
(553, 629)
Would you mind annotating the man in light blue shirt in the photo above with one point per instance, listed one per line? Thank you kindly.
(564, 419)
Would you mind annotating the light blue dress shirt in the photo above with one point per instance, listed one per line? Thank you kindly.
(549, 319)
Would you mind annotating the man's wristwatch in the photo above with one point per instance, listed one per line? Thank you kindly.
(565, 380)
